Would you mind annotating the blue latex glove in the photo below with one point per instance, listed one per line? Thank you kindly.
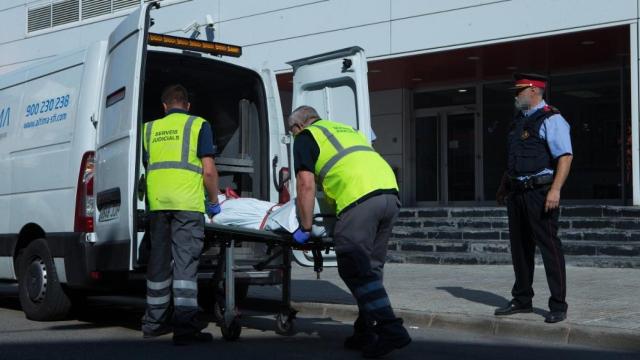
(212, 209)
(301, 236)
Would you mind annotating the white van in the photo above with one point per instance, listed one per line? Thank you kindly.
(71, 177)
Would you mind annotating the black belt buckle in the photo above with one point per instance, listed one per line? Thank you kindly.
(529, 183)
(521, 185)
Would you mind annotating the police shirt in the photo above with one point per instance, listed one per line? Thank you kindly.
(556, 131)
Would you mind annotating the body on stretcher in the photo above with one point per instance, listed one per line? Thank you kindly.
(280, 244)
(257, 214)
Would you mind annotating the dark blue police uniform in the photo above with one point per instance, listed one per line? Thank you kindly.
(537, 138)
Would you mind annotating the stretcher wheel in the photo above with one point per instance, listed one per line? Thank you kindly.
(284, 324)
(231, 332)
(218, 308)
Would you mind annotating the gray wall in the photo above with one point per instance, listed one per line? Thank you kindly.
(277, 31)
(387, 114)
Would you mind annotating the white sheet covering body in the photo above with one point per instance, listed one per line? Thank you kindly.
(264, 215)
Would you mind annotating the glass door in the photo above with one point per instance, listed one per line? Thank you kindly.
(460, 157)
(446, 156)
(428, 155)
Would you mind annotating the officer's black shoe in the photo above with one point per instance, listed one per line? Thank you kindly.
(195, 338)
(513, 308)
(555, 316)
(358, 341)
(153, 334)
(384, 345)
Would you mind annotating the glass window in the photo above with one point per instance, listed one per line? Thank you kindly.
(497, 113)
(427, 155)
(592, 103)
(441, 98)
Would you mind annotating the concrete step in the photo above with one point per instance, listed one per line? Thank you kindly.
(589, 211)
(503, 234)
(504, 259)
(571, 247)
(448, 258)
(630, 224)
(591, 236)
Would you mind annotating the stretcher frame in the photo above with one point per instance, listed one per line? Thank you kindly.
(226, 237)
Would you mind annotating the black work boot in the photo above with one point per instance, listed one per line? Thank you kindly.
(363, 334)
(150, 334)
(358, 341)
(391, 336)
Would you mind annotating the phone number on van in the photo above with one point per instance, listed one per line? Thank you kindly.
(44, 106)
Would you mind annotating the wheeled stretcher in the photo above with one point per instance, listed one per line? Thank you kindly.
(279, 247)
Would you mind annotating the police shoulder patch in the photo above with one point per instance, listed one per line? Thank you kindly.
(551, 109)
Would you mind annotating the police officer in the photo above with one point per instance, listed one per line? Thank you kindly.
(179, 152)
(539, 159)
(365, 193)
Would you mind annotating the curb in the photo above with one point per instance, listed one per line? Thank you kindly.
(563, 333)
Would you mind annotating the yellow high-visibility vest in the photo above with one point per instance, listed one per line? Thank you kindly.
(174, 171)
(348, 168)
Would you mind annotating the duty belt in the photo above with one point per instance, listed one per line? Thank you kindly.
(531, 182)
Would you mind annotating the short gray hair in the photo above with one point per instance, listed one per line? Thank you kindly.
(302, 115)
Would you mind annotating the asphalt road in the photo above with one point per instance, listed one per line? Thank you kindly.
(109, 329)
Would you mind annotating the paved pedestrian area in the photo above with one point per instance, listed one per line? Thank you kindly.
(600, 299)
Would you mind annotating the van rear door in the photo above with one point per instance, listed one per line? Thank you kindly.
(277, 131)
(336, 85)
(118, 146)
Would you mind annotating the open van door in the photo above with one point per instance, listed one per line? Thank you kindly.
(118, 148)
(336, 85)
(277, 137)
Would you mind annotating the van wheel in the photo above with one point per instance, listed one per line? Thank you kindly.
(41, 295)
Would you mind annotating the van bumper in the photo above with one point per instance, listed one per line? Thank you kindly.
(81, 258)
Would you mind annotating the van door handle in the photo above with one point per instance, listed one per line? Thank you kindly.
(274, 166)
(108, 197)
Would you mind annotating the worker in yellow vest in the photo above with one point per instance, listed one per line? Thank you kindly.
(351, 173)
(179, 158)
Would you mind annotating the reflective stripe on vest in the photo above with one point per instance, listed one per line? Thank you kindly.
(186, 145)
(174, 171)
(342, 152)
(347, 167)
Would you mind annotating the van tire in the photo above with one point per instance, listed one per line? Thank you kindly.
(41, 295)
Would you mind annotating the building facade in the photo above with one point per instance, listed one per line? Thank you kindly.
(439, 73)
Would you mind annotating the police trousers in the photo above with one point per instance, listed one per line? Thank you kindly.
(361, 235)
(530, 225)
(177, 239)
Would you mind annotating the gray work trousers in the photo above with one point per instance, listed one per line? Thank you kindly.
(177, 239)
(361, 238)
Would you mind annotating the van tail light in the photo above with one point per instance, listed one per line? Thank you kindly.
(284, 195)
(85, 204)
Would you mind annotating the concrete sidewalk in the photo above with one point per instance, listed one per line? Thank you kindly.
(603, 311)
